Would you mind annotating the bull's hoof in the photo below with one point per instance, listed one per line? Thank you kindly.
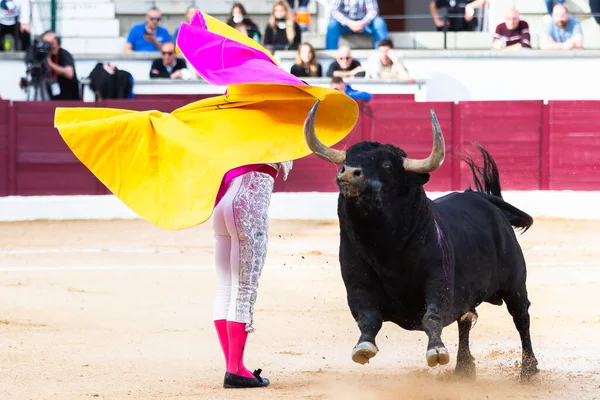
(364, 351)
(437, 355)
(465, 369)
(529, 369)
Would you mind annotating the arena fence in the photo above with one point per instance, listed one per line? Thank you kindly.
(537, 145)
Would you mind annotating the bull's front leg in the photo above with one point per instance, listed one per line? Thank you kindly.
(433, 323)
(366, 311)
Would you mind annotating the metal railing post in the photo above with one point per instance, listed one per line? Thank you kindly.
(445, 30)
(53, 15)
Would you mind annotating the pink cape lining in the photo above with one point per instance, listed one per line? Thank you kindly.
(222, 61)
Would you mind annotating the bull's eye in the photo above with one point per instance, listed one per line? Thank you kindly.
(387, 166)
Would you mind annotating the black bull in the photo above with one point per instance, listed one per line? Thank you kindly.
(425, 264)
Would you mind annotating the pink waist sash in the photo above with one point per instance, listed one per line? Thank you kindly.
(239, 171)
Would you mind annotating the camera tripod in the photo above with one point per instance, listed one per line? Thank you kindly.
(40, 90)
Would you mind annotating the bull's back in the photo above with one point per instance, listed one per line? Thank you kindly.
(487, 255)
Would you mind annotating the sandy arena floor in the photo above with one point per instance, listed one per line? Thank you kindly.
(123, 310)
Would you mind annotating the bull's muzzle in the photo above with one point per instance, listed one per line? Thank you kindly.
(350, 180)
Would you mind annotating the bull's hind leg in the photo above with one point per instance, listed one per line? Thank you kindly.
(518, 304)
(464, 360)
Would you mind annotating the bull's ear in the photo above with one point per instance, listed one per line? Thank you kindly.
(419, 179)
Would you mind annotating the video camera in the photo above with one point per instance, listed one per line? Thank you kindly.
(36, 61)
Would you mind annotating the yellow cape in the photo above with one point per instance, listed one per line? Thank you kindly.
(168, 167)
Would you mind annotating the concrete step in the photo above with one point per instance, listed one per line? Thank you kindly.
(218, 7)
(88, 28)
(85, 10)
(46, 3)
(99, 45)
(538, 6)
(464, 40)
(71, 10)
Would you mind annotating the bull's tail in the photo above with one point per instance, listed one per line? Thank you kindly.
(487, 181)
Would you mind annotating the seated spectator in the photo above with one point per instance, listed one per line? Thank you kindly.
(564, 32)
(147, 36)
(338, 83)
(169, 66)
(345, 66)
(595, 9)
(65, 85)
(465, 8)
(301, 4)
(282, 32)
(109, 82)
(306, 63)
(301, 14)
(189, 14)
(386, 64)
(355, 16)
(512, 33)
(15, 16)
(238, 19)
(550, 4)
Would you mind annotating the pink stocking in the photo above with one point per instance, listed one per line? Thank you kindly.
(221, 326)
(237, 343)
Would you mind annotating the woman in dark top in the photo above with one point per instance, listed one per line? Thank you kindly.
(282, 32)
(238, 19)
(306, 64)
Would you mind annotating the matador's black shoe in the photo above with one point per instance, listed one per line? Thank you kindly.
(233, 381)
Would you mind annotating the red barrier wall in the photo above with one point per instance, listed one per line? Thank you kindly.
(4, 129)
(537, 146)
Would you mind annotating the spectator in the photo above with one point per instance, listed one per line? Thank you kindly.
(301, 4)
(169, 66)
(550, 4)
(306, 63)
(345, 66)
(147, 36)
(512, 33)
(595, 9)
(564, 32)
(238, 19)
(301, 14)
(282, 32)
(450, 9)
(338, 83)
(65, 85)
(14, 19)
(386, 64)
(355, 16)
(189, 14)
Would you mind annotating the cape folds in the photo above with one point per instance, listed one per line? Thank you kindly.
(168, 167)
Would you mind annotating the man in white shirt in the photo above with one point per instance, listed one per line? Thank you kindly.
(386, 64)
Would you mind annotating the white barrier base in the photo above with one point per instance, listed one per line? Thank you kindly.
(298, 206)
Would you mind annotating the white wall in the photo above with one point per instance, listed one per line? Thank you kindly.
(305, 206)
(450, 76)
(461, 79)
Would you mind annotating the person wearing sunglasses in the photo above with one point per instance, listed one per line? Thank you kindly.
(147, 36)
(168, 66)
(345, 66)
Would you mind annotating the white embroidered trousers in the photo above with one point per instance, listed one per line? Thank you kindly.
(240, 223)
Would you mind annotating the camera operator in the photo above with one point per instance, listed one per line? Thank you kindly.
(61, 69)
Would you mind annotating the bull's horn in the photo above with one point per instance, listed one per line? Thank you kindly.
(436, 158)
(322, 151)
